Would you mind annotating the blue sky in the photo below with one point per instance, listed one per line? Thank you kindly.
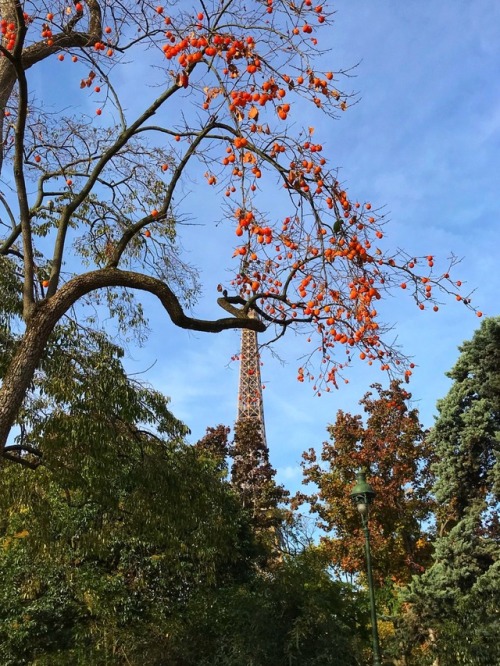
(423, 141)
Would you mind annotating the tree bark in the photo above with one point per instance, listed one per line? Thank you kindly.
(22, 368)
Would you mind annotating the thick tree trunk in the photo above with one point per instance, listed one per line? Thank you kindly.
(20, 373)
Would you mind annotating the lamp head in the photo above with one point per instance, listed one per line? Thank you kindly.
(362, 494)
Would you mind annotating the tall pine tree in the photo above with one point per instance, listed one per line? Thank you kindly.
(467, 431)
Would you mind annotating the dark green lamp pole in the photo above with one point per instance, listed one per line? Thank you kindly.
(362, 496)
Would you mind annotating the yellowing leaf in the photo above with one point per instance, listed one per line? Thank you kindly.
(211, 93)
(253, 113)
(249, 158)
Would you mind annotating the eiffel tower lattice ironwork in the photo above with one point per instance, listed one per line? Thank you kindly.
(260, 486)
(250, 402)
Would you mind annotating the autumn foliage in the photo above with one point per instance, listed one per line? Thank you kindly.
(389, 442)
(94, 190)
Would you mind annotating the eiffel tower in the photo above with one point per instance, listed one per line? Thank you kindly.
(252, 470)
(250, 400)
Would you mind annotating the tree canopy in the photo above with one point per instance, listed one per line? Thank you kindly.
(126, 546)
(107, 540)
(92, 181)
(390, 443)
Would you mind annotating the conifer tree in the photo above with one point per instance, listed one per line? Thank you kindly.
(467, 431)
(458, 598)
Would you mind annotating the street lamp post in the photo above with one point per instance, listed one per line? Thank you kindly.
(362, 496)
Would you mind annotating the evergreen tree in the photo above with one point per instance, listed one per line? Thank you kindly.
(466, 435)
(456, 601)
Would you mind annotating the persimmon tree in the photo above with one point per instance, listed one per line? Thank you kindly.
(390, 442)
(90, 191)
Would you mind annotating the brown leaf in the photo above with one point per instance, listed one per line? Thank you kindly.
(249, 158)
(253, 113)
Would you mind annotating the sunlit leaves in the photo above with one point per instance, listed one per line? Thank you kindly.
(391, 445)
